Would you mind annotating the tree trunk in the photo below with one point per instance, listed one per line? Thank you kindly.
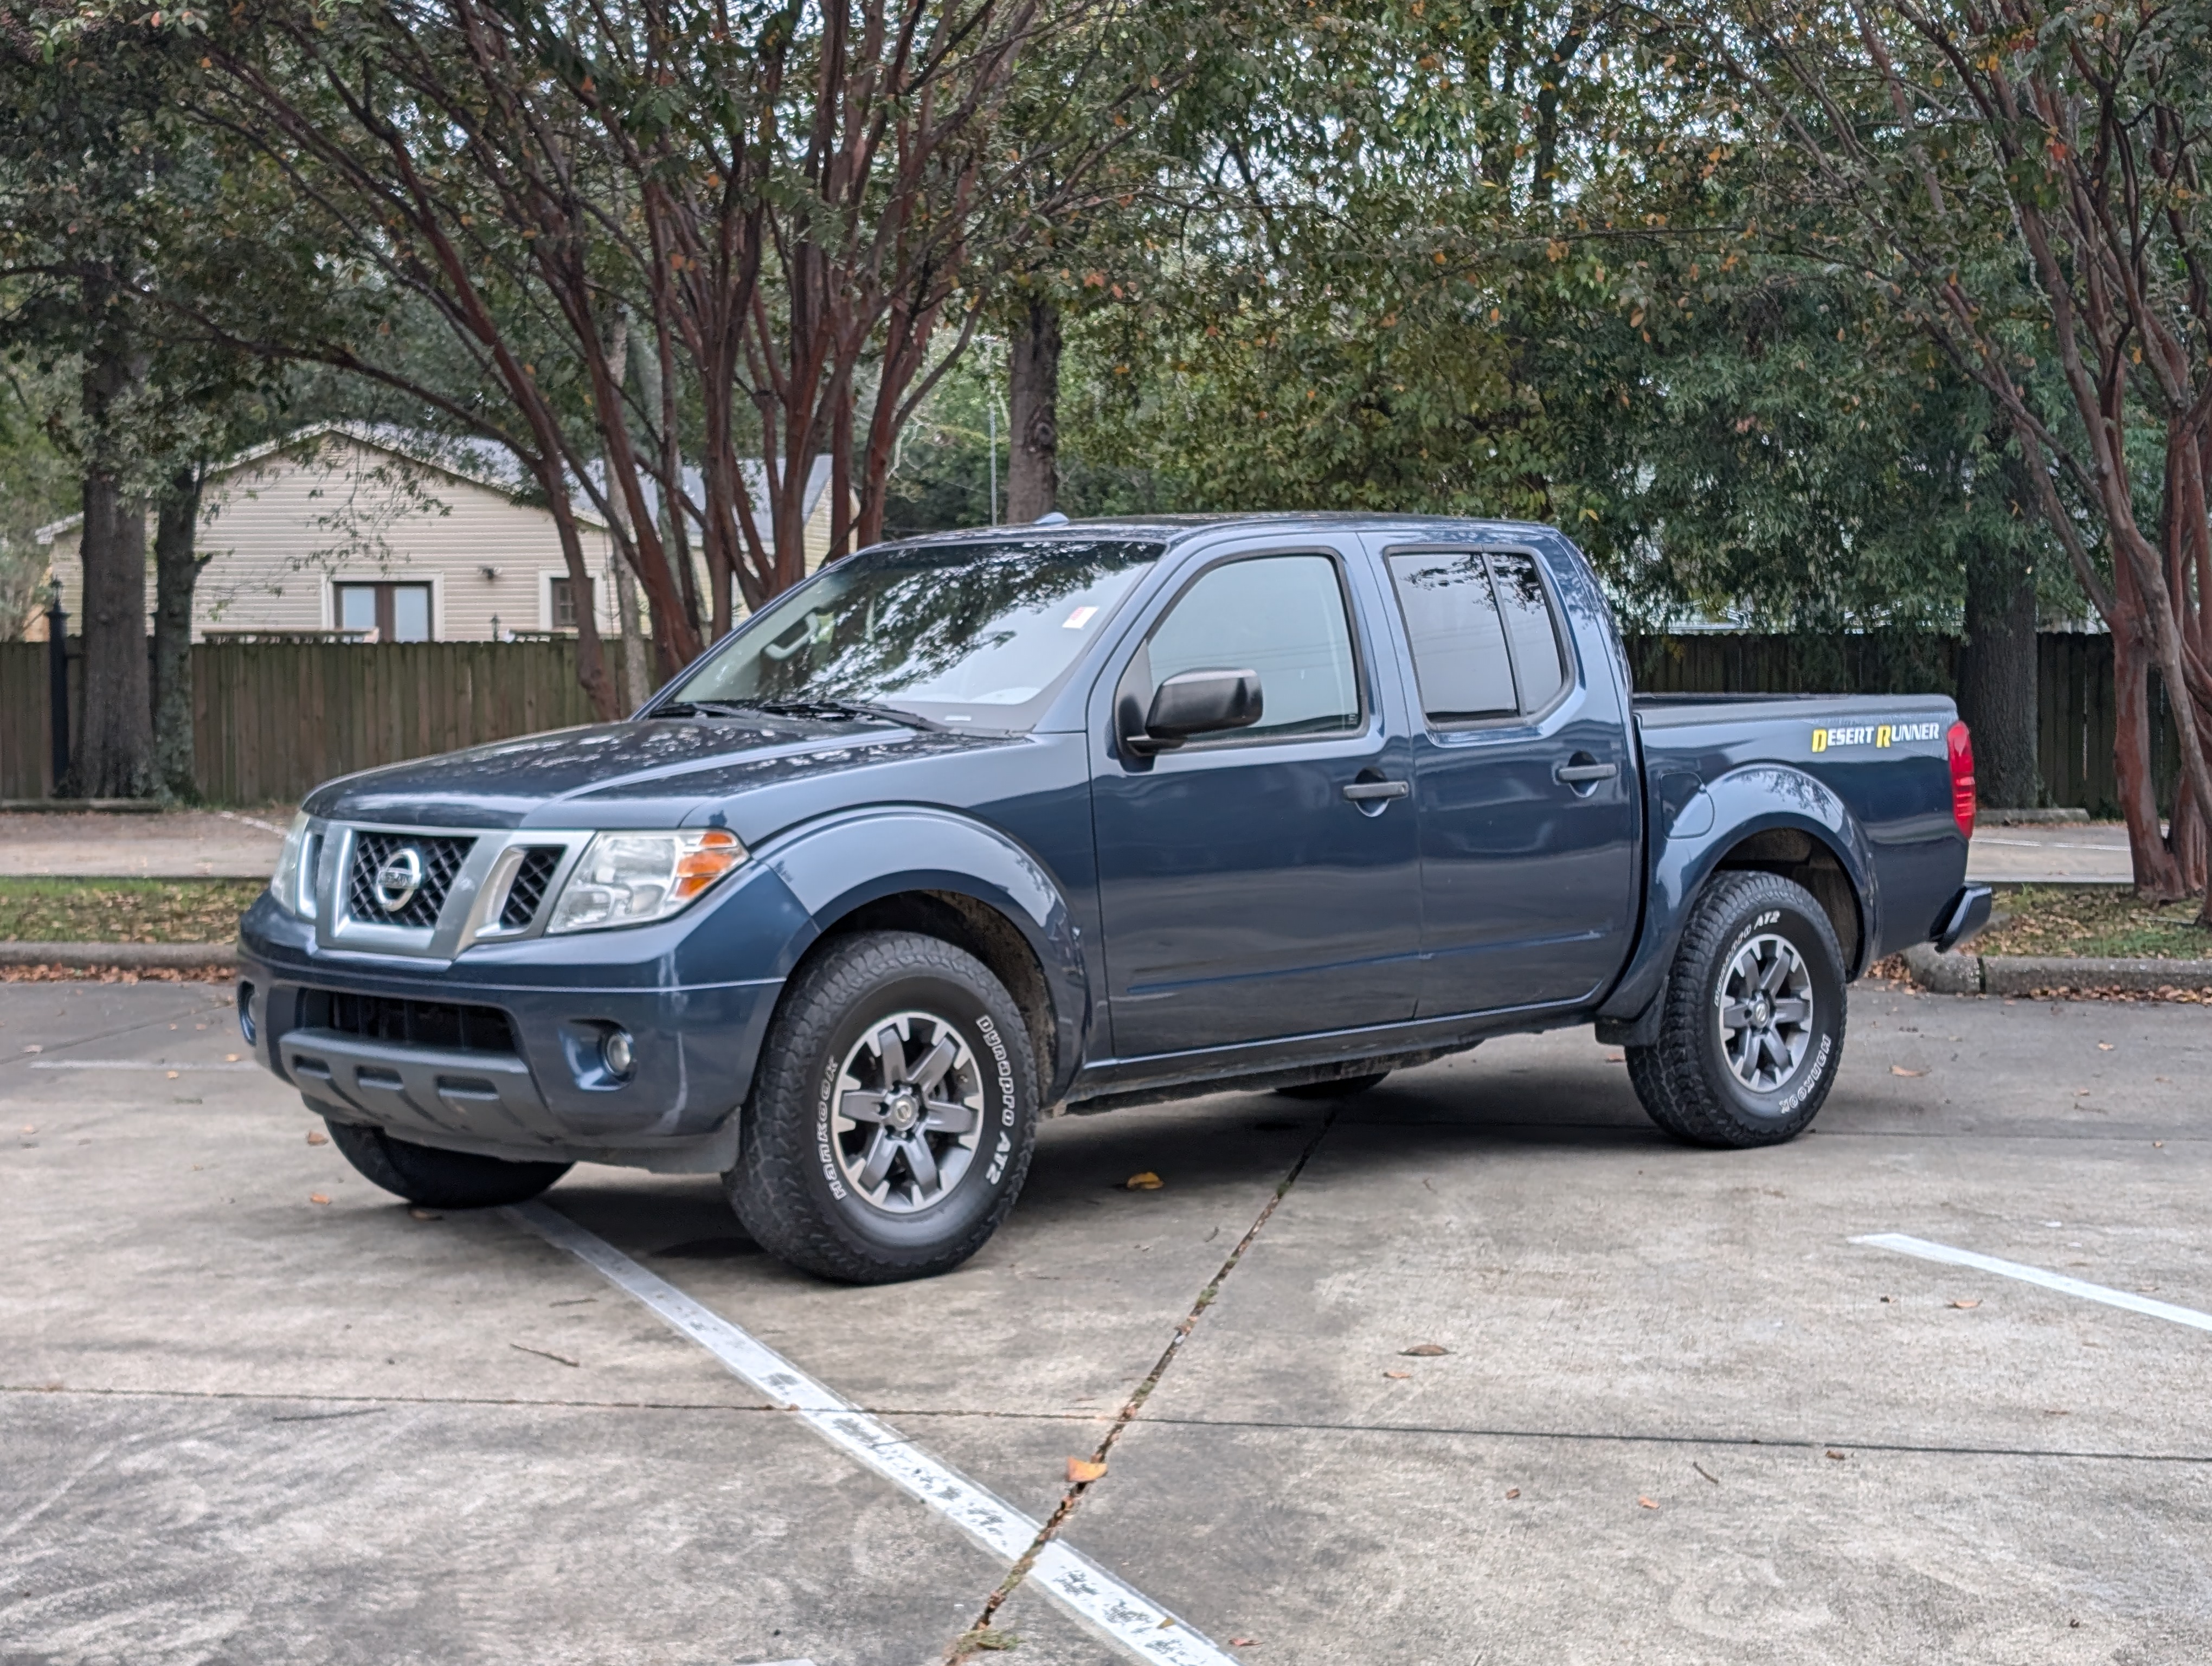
(2157, 876)
(177, 564)
(115, 747)
(1033, 409)
(1997, 676)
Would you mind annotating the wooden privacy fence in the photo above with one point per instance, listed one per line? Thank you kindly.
(273, 719)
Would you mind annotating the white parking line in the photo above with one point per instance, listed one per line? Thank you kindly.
(2058, 1281)
(1122, 1615)
(130, 1064)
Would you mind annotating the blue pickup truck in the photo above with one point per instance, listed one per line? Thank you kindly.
(980, 828)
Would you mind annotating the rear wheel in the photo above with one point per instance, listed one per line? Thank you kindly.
(892, 1116)
(439, 1179)
(1752, 1027)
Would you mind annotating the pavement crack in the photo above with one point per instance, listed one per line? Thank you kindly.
(1083, 1476)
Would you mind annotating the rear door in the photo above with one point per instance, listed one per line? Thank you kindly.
(1265, 882)
(1522, 786)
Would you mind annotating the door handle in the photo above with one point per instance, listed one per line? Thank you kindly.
(1575, 774)
(1364, 792)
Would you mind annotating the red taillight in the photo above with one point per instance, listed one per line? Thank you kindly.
(1960, 744)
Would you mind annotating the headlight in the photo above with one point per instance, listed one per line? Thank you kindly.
(628, 878)
(293, 884)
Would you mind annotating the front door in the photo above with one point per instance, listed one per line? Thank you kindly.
(1522, 781)
(1263, 883)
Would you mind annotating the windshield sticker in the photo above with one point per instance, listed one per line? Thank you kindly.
(1079, 618)
(1876, 734)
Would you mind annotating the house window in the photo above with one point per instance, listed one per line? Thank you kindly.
(395, 612)
(564, 604)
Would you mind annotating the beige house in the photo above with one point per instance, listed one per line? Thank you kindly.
(359, 531)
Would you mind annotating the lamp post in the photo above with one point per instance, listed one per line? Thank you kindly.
(57, 682)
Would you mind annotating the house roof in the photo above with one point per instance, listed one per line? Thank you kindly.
(472, 462)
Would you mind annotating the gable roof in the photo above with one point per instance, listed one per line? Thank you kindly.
(472, 462)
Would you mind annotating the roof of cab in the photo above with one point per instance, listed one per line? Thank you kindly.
(1174, 528)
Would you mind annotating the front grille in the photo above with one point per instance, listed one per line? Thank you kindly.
(441, 857)
(530, 880)
(409, 1022)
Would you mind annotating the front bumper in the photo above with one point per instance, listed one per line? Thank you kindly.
(475, 1061)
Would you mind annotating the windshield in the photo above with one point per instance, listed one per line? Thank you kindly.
(974, 634)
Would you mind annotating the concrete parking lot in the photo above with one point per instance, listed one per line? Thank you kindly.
(1681, 1416)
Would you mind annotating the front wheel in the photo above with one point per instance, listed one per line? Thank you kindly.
(1752, 1027)
(892, 1114)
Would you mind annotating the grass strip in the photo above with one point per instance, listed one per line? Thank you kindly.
(38, 910)
(2094, 921)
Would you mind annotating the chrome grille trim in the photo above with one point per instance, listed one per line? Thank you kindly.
(469, 893)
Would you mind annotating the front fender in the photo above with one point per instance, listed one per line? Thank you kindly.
(843, 862)
(1689, 837)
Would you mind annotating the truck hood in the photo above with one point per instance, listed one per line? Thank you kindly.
(652, 773)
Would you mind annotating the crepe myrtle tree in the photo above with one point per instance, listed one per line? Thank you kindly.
(2028, 180)
(781, 200)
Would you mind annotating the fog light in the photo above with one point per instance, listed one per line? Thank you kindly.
(246, 1012)
(615, 1052)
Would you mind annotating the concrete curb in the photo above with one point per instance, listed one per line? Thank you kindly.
(2018, 975)
(123, 957)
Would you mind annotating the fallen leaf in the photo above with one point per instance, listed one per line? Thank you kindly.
(985, 1636)
(316, 1197)
(34, 1047)
(317, 1137)
(2104, 1047)
(1146, 1181)
(1512, 1492)
(1425, 1351)
(1397, 1376)
(28, 1128)
(424, 1214)
(2157, 1145)
(1968, 1301)
(173, 1075)
(1836, 1455)
(1616, 1058)
(230, 1058)
(1081, 1471)
(1242, 1642)
(1649, 1504)
(2080, 1093)
(1899, 1070)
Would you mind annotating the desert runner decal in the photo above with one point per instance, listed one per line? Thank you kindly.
(1877, 735)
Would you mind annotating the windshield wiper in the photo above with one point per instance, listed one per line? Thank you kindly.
(820, 708)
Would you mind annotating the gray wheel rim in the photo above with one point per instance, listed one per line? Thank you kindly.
(907, 1112)
(1765, 1007)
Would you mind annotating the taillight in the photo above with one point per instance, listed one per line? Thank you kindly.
(1959, 743)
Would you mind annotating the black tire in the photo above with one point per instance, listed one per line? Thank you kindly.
(803, 1186)
(439, 1179)
(1713, 1085)
(1341, 1087)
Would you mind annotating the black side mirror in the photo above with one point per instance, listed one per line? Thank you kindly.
(1193, 703)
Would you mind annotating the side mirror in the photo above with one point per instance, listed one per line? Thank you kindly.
(1194, 703)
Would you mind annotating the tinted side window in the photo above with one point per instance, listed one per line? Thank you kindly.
(1281, 615)
(1527, 612)
(1458, 638)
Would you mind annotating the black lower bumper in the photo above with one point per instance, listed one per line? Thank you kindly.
(1962, 917)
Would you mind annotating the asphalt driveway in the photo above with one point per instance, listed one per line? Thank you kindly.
(1679, 1415)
